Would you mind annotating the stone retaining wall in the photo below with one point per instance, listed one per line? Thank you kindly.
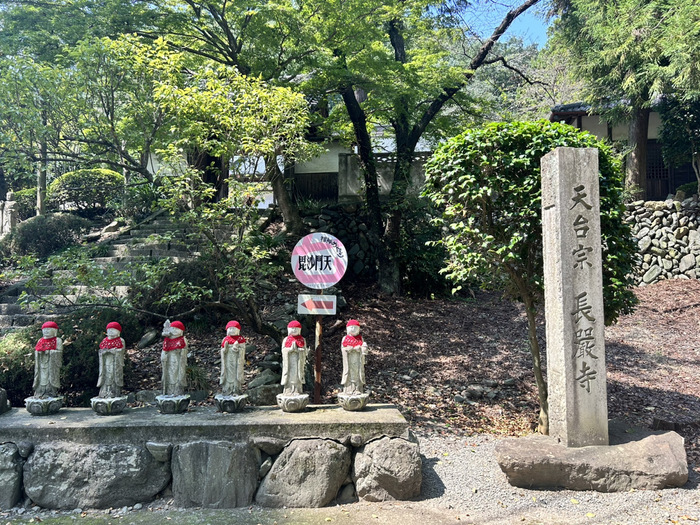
(348, 225)
(668, 238)
(77, 459)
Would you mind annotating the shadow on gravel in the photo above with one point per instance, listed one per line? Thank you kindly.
(432, 486)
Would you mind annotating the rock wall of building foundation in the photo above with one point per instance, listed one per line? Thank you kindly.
(668, 239)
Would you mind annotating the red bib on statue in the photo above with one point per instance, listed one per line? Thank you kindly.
(42, 345)
(231, 339)
(351, 340)
(173, 344)
(108, 343)
(298, 339)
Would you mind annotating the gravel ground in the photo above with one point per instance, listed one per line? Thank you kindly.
(462, 483)
(462, 474)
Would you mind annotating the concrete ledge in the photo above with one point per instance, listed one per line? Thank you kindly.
(139, 425)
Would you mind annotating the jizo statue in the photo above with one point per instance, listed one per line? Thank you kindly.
(354, 350)
(174, 358)
(48, 357)
(111, 356)
(232, 359)
(294, 353)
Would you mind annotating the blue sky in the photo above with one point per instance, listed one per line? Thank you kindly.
(530, 27)
(485, 15)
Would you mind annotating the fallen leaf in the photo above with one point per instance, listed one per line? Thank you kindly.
(574, 501)
(590, 515)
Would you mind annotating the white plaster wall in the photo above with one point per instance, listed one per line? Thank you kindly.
(327, 162)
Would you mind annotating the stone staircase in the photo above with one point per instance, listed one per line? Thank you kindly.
(153, 239)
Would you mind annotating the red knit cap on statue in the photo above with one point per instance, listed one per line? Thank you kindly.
(177, 324)
(49, 324)
(232, 324)
(353, 322)
(294, 324)
(114, 325)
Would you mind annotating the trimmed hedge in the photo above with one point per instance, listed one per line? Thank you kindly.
(87, 191)
(43, 235)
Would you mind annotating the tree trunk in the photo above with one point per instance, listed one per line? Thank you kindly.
(3, 184)
(543, 421)
(290, 212)
(41, 181)
(389, 267)
(636, 161)
(367, 163)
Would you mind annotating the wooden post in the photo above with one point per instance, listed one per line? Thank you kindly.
(317, 362)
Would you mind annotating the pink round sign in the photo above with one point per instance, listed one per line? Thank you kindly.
(319, 260)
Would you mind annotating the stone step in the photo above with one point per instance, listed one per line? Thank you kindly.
(10, 309)
(145, 248)
(156, 253)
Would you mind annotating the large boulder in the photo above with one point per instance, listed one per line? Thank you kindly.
(653, 462)
(388, 469)
(62, 475)
(215, 474)
(10, 475)
(308, 473)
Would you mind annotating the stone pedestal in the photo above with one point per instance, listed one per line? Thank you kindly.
(172, 404)
(635, 459)
(38, 406)
(108, 406)
(573, 289)
(353, 401)
(292, 403)
(4, 403)
(230, 403)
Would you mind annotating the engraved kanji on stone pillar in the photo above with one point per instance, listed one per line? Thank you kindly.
(573, 282)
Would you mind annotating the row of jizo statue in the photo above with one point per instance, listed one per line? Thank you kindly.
(49, 356)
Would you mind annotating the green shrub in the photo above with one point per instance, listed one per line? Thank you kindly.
(690, 188)
(26, 203)
(43, 235)
(488, 182)
(88, 191)
(138, 202)
(420, 258)
(17, 364)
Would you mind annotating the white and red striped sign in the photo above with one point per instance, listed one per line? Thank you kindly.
(316, 304)
(319, 260)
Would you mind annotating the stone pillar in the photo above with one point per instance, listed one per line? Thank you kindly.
(573, 283)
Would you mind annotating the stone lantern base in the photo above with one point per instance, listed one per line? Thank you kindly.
(353, 402)
(292, 403)
(173, 404)
(43, 406)
(108, 406)
(225, 403)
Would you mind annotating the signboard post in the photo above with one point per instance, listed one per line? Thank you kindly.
(319, 261)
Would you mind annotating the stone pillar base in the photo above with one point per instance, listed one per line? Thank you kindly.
(43, 406)
(640, 460)
(292, 403)
(226, 403)
(353, 402)
(172, 404)
(108, 406)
